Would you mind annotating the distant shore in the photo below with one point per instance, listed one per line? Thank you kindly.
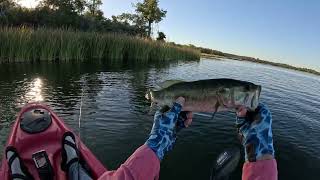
(250, 59)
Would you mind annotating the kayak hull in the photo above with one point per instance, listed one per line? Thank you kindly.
(49, 141)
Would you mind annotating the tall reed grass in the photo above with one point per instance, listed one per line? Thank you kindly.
(25, 44)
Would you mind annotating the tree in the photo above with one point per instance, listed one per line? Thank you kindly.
(150, 11)
(80, 5)
(126, 18)
(65, 6)
(61, 13)
(161, 36)
(137, 22)
(6, 7)
(84, 15)
(12, 14)
(94, 7)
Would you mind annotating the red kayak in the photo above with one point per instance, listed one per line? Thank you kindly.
(37, 134)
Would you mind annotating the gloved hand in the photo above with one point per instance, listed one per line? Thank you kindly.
(163, 134)
(255, 133)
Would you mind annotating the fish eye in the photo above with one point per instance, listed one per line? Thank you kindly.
(247, 87)
(222, 91)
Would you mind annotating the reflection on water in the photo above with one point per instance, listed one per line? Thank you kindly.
(34, 93)
(115, 118)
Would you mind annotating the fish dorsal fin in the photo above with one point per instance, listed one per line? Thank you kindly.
(168, 83)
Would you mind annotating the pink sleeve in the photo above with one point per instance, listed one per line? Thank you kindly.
(142, 164)
(260, 170)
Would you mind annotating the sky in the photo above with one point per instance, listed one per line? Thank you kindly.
(28, 3)
(286, 31)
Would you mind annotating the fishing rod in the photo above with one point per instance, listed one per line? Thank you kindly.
(79, 126)
(80, 113)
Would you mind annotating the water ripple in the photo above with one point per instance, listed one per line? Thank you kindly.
(115, 119)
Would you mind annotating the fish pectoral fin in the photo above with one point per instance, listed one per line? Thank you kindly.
(214, 113)
(153, 108)
(168, 83)
(220, 101)
(216, 107)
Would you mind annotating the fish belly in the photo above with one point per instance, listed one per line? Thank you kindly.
(202, 106)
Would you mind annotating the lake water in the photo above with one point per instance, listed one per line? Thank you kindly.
(115, 119)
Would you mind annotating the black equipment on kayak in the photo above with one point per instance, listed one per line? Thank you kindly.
(225, 164)
(43, 165)
(35, 121)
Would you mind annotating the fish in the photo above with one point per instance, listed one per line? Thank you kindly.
(208, 95)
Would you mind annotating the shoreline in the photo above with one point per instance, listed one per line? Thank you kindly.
(259, 61)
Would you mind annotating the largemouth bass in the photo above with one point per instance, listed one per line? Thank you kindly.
(211, 95)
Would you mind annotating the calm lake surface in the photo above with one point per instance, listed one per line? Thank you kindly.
(115, 119)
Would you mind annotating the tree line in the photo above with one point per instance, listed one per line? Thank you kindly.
(84, 15)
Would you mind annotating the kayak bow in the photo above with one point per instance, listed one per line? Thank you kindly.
(37, 128)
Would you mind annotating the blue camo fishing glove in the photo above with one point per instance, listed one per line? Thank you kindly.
(256, 133)
(163, 134)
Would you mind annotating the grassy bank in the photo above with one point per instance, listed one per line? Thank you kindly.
(24, 44)
(250, 59)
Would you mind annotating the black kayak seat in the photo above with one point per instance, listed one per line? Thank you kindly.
(35, 121)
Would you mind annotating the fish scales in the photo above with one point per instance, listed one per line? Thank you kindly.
(208, 95)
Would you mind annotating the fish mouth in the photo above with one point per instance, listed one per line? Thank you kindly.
(255, 98)
(148, 95)
(259, 91)
(247, 100)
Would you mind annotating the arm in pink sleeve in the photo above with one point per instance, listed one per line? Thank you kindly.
(260, 170)
(143, 164)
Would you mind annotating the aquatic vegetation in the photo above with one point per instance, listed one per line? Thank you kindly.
(63, 45)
